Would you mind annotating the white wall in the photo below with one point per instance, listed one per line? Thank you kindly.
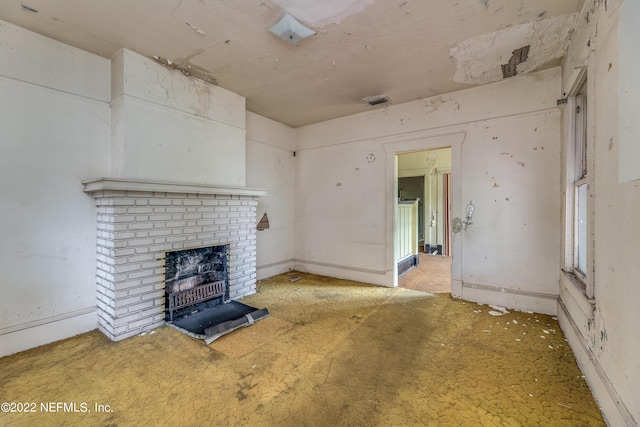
(603, 332)
(271, 166)
(508, 164)
(168, 127)
(55, 133)
(511, 173)
(339, 209)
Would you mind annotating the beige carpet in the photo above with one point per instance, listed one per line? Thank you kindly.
(338, 354)
(245, 340)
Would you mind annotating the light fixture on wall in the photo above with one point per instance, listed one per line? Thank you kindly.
(469, 215)
(291, 30)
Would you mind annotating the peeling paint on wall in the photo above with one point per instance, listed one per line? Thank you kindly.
(187, 68)
(518, 56)
(479, 60)
(435, 103)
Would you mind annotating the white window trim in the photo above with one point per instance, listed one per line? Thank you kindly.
(584, 281)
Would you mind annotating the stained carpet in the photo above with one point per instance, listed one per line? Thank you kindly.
(344, 354)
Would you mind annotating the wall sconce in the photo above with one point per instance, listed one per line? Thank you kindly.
(291, 30)
(467, 221)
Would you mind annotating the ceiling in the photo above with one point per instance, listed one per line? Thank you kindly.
(403, 49)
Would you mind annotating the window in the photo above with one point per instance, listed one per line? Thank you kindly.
(579, 176)
(580, 184)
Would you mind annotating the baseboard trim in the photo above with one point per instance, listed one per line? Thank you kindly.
(613, 408)
(375, 277)
(516, 299)
(34, 334)
(408, 263)
(273, 269)
(47, 320)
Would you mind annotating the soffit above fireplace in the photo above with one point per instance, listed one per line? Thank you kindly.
(120, 184)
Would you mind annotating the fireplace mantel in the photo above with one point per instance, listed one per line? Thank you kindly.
(140, 221)
(119, 184)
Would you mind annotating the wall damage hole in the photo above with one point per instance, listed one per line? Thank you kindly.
(263, 224)
(518, 56)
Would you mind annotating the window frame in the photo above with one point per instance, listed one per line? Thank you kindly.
(579, 172)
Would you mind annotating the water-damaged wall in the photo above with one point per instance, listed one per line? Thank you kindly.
(506, 161)
(602, 326)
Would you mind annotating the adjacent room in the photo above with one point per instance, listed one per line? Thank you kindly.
(405, 192)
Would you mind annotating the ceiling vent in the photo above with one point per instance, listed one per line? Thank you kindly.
(376, 100)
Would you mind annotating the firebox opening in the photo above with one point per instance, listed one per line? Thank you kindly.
(197, 294)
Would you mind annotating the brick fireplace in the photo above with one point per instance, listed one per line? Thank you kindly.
(139, 221)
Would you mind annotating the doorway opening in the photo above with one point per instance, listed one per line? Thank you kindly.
(424, 178)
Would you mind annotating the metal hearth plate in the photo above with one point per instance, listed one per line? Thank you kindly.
(214, 322)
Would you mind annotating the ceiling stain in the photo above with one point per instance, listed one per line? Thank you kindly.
(409, 55)
(477, 59)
